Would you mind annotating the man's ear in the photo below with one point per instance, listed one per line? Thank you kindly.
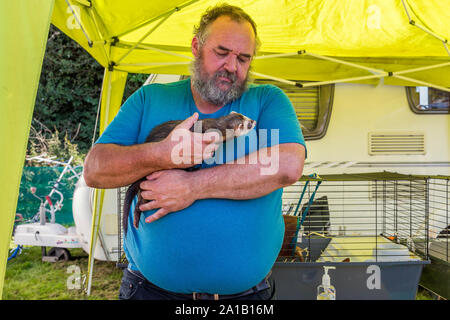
(195, 46)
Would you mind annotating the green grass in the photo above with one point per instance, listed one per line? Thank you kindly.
(423, 294)
(28, 278)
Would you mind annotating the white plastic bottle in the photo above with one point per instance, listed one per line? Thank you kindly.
(326, 291)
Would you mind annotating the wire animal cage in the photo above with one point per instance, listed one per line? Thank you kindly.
(439, 224)
(380, 216)
(365, 219)
(436, 276)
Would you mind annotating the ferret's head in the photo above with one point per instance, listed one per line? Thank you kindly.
(239, 123)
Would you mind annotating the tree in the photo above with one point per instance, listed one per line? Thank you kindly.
(69, 92)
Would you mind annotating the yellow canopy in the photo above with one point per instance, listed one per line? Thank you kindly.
(403, 42)
(154, 36)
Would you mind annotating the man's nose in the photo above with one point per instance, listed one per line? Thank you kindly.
(231, 63)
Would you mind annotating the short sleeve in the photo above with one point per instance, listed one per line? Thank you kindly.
(125, 127)
(278, 117)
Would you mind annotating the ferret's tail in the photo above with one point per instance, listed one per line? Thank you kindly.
(131, 193)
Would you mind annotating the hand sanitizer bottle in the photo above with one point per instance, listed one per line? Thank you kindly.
(326, 291)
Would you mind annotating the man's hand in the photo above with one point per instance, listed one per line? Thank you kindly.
(168, 190)
(186, 148)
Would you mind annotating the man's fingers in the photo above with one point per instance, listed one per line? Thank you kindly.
(189, 122)
(157, 215)
(148, 206)
(146, 185)
(147, 195)
(155, 175)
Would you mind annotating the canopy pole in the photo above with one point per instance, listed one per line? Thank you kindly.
(108, 100)
(446, 49)
(145, 36)
(156, 64)
(425, 29)
(157, 18)
(318, 56)
(407, 12)
(276, 55)
(96, 217)
(96, 212)
(274, 78)
(102, 40)
(148, 47)
(372, 70)
(79, 23)
(422, 68)
(320, 83)
(98, 111)
(421, 82)
(317, 83)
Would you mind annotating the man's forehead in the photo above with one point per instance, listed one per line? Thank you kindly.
(225, 32)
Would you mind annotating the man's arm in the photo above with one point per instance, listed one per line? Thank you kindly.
(174, 190)
(248, 181)
(112, 165)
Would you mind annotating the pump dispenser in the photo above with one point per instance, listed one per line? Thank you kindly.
(326, 291)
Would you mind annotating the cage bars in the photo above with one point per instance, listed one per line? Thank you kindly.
(396, 216)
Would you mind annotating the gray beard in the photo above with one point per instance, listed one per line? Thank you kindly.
(209, 91)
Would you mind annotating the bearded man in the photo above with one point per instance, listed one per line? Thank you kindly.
(212, 233)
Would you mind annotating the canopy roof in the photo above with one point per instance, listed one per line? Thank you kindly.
(383, 35)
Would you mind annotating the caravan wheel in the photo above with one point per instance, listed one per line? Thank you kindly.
(62, 254)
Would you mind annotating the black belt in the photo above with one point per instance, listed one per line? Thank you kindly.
(263, 285)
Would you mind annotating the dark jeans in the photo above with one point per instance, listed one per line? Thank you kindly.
(135, 287)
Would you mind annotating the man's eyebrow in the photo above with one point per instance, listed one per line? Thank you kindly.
(229, 50)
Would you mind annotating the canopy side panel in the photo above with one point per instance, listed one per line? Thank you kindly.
(24, 27)
(112, 92)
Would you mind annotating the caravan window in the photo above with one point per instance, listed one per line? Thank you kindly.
(428, 100)
(312, 106)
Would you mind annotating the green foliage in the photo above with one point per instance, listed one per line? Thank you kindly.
(47, 143)
(69, 91)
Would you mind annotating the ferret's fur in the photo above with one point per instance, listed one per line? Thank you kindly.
(237, 122)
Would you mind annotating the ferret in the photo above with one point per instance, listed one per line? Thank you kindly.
(238, 123)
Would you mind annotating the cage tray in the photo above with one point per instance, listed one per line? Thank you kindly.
(367, 280)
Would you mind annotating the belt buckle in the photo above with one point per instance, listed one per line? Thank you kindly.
(197, 295)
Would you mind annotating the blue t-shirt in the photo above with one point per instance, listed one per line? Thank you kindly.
(216, 245)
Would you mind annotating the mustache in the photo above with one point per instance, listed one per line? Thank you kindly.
(225, 74)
